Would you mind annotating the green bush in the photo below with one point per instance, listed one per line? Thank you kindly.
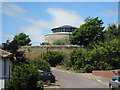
(41, 64)
(86, 61)
(58, 42)
(45, 43)
(24, 76)
(53, 57)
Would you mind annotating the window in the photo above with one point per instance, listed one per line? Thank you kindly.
(114, 78)
(63, 29)
(66, 30)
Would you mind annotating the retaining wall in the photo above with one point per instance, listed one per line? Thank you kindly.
(105, 74)
(49, 47)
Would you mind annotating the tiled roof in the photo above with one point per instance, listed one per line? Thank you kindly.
(4, 53)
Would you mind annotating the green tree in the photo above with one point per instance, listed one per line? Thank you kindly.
(91, 30)
(13, 47)
(24, 76)
(112, 32)
(53, 57)
(23, 39)
(41, 64)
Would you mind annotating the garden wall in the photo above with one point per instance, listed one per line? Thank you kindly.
(105, 74)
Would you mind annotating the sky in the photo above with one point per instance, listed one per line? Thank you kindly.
(36, 19)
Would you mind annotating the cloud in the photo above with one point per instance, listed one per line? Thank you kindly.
(36, 29)
(35, 33)
(13, 10)
(109, 13)
(6, 37)
(61, 16)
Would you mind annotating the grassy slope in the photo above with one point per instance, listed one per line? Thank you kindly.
(32, 55)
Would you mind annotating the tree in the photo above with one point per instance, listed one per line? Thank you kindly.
(11, 46)
(112, 32)
(24, 76)
(23, 39)
(91, 30)
(41, 64)
(53, 57)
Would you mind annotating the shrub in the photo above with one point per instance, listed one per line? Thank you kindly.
(45, 43)
(53, 57)
(86, 61)
(24, 76)
(41, 64)
(59, 42)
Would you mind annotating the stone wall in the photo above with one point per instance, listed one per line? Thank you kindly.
(49, 47)
(64, 37)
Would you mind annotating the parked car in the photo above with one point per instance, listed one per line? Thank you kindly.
(114, 83)
(47, 77)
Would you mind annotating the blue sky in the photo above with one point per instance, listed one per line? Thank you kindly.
(37, 18)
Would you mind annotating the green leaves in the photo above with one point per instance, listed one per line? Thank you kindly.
(23, 39)
(91, 30)
(24, 76)
(53, 57)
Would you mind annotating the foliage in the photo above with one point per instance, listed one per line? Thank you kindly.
(86, 61)
(53, 57)
(112, 32)
(41, 64)
(45, 43)
(24, 76)
(40, 85)
(23, 39)
(91, 30)
(58, 42)
(11, 46)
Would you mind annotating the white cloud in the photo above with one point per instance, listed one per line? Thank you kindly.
(109, 13)
(61, 16)
(13, 10)
(35, 33)
(36, 28)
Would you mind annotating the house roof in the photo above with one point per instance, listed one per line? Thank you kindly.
(4, 53)
(64, 26)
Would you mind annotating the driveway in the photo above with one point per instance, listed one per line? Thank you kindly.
(68, 79)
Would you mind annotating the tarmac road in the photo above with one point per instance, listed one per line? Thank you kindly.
(67, 79)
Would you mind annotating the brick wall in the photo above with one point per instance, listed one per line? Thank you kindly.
(105, 74)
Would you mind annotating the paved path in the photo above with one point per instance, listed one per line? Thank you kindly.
(68, 79)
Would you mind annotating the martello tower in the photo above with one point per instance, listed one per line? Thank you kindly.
(60, 33)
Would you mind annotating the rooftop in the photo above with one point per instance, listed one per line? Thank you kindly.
(4, 53)
(64, 26)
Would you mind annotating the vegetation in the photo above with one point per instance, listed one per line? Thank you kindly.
(102, 47)
(45, 43)
(53, 57)
(91, 30)
(58, 42)
(25, 76)
(13, 47)
(41, 64)
(23, 39)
